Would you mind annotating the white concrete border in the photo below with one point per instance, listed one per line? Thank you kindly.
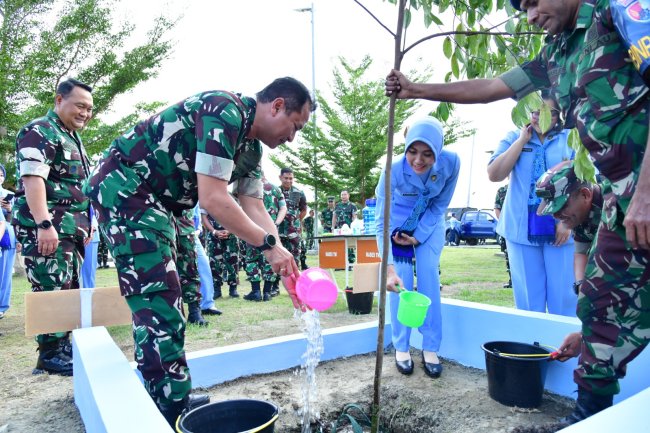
(111, 398)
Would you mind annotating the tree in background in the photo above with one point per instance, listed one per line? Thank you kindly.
(348, 153)
(45, 41)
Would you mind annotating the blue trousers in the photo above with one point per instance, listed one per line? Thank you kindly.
(542, 278)
(89, 265)
(205, 275)
(427, 260)
(6, 268)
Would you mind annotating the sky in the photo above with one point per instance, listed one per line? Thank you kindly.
(242, 45)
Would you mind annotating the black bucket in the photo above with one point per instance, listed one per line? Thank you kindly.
(515, 381)
(359, 303)
(230, 416)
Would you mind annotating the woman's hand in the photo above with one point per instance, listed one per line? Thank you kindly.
(393, 280)
(562, 234)
(405, 240)
(526, 133)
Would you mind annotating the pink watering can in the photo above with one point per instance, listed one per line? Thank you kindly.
(313, 288)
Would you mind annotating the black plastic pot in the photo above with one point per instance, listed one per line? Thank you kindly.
(515, 381)
(359, 303)
(230, 416)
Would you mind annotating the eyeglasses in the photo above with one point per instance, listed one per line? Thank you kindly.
(543, 193)
(554, 113)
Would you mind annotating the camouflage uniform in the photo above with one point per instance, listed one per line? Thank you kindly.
(600, 92)
(290, 229)
(144, 179)
(224, 257)
(102, 251)
(498, 204)
(257, 267)
(326, 217)
(309, 228)
(45, 148)
(186, 259)
(344, 215)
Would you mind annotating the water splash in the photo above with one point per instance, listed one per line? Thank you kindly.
(310, 326)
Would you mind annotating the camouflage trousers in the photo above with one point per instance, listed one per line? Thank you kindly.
(224, 260)
(54, 272)
(292, 243)
(613, 305)
(188, 268)
(303, 251)
(102, 250)
(145, 259)
(257, 267)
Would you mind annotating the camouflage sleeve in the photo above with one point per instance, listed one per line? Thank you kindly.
(249, 187)
(217, 134)
(528, 77)
(302, 204)
(280, 197)
(35, 152)
(581, 247)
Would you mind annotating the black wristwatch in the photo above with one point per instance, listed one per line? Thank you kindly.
(576, 286)
(269, 242)
(45, 224)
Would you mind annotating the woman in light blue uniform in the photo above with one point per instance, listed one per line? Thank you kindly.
(539, 248)
(89, 265)
(422, 184)
(8, 255)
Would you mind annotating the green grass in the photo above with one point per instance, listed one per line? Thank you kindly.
(473, 274)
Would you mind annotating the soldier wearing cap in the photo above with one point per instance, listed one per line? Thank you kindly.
(327, 214)
(578, 204)
(603, 94)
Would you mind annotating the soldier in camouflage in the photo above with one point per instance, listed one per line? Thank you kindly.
(344, 214)
(327, 215)
(498, 205)
(189, 151)
(51, 214)
(257, 268)
(102, 252)
(291, 227)
(308, 222)
(599, 91)
(188, 268)
(222, 248)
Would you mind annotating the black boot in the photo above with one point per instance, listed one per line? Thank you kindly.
(217, 292)
(52, 360)
(254, 295)
(194, 315)
(587, 405)
(232, 292)
(268, 287)
(172, 411)
(303, 265)
(66, 346)
(275, 290)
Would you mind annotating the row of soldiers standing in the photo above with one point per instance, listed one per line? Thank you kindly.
(287, 206)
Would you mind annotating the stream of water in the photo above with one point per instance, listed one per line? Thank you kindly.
(310, 325)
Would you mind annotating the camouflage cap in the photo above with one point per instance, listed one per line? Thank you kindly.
(555, 186)
(516, 4)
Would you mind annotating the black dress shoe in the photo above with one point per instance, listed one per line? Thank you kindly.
(404, 367)
(197, 400)
(211, 312)
(431, 369)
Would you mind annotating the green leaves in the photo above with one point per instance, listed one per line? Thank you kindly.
(583, 166)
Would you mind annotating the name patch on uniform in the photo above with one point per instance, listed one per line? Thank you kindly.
(527, 149)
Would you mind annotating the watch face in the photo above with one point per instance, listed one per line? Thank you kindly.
(270, 240)
(45, 224)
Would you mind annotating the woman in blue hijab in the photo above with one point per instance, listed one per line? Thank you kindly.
(422, 184)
